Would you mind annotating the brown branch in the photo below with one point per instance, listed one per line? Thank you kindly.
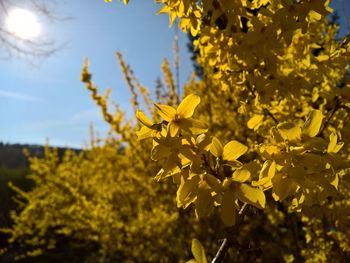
(268, 113)
(228, 241)
(337, 106)
(250, 88)
(219, 257)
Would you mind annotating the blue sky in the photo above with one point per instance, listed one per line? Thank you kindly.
(49, 102)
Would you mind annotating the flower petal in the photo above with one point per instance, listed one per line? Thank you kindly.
(166, 112)
(233, 150)
(145, 133)
(251, 195)
(159, 151)
(333, 146)
(228, 210)
(173, 129)
(141, 117)
(194, 126)
(255, 121)
(188, 105)
(198, 251)
(204, 204)
(241, 175)
(313, 123)
(268, 169)
(216, 147)
(282, 187)
(289, 131)
(187, 191)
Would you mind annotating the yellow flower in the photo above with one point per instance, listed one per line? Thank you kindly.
(180, 118)
(230, 152)
(237, 188)
(149, 129)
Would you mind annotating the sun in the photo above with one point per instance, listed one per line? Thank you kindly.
(23, 24)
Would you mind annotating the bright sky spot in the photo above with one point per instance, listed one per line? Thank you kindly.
(23, 23)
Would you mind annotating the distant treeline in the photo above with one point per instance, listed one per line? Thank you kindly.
(12, 155)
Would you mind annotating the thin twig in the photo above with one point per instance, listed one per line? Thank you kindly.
(334, 110)
(268, 113)
(242, 208)
(228, 241)
(250, 88)
(219, 257)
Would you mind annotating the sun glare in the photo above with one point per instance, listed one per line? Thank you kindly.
(23, 23)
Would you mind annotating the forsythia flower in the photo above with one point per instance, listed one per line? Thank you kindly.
(149, 129)
(180, 118)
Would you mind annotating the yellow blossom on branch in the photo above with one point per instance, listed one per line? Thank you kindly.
(180, 118)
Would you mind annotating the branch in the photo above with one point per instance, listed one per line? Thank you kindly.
(220, 255)
(268, 113)
(337, 106)
(228, 241)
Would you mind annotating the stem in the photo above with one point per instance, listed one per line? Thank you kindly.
(228, 241)
(208, 166)
(242, 209)
(250, 88)
(268, 113)
(336, 107)
(219, 257)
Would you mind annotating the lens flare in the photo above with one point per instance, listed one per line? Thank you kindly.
(23, 24)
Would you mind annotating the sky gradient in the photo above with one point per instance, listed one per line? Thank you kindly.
(49, 102)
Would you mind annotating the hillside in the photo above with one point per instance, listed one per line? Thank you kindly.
(13, 157)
